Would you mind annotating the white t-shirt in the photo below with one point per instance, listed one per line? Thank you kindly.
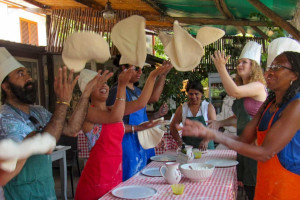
(203, 110)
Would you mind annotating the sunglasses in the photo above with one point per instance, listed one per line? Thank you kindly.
(36, 123)
(136, 68)
(275, 68)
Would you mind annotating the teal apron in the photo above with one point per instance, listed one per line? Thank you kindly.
(247, 167)
(135, 158)
(195, 141)
(35, 181)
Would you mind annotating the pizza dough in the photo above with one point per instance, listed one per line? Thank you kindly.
(129, 36)
(207, 35)
(151, 137)
(81, 47)
(11, 151)
(184, 51)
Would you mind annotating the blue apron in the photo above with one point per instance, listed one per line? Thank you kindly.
(135, 157)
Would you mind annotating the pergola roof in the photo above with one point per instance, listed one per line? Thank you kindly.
(233, 16)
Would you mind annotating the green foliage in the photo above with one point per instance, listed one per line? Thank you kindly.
(276, 33)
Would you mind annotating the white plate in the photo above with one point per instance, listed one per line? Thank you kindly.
(163, 158)
(222, 162)
(154, 172)
(134, 192)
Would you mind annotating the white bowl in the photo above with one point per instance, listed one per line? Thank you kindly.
(197, 171)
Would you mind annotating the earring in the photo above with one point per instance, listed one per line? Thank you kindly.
(291, 82)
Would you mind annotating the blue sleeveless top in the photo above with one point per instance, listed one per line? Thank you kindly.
(289, 156)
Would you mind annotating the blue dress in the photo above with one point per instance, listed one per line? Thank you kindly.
(135, 158)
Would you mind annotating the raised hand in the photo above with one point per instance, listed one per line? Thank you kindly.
(98, 80)
(125, 76)
(168, 66)
(163, 110)
(219, 59)
(64, 85)
(163, 70)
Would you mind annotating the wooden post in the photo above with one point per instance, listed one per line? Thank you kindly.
(276, 18)
(50, 67)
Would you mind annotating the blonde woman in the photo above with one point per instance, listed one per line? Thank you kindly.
(249, 89)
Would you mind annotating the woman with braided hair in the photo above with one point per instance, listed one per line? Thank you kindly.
(276, 129)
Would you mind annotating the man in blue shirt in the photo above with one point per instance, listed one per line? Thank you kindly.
(135, 157)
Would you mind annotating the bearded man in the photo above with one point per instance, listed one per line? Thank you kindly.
(19, 118)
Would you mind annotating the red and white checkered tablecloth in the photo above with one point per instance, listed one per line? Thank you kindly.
(82, 146)
(170, 144)
(222, 185)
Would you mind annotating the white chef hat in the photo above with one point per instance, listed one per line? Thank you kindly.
(184, 51)
(280, 45)
(129, 36)
(7, 63)
(252, 50)
(85, 76)
(81, 47)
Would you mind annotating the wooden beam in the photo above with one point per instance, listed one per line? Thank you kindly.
(91, 4)
(222, 7)
(260, 32)
(204, 21)
(38, 4)
(279, 21)
(154, 5)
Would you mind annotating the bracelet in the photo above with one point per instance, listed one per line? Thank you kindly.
(132, 129)
(63, 102)
(120, 99)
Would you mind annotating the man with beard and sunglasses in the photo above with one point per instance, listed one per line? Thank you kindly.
(20, 119)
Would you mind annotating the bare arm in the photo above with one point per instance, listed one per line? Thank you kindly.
(160, 82)
(63, 86)
(173, 129)
(141, 102)
(255, 90)
(96, 115)
(72, 127)
(5, 176)
(163, 110)
(141, 127)
(211, 112)
(230, 121)
(277, 138)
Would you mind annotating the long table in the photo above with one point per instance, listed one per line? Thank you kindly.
(222, 185)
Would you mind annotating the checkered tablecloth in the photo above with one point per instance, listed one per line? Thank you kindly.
(170, 144)
(222, 185)
(82, 146)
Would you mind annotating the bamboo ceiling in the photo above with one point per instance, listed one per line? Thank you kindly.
(233, 16)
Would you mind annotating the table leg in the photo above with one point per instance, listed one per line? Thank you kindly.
(63, 175)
